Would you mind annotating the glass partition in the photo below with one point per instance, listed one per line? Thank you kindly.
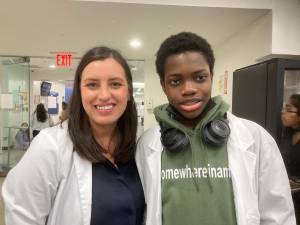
(14, 109)
(137, 70)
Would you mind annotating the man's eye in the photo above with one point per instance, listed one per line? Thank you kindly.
(174, 82)
(200, 78)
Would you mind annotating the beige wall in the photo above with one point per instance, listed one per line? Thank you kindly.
(152, 92)
(241, 50)
(286, 27)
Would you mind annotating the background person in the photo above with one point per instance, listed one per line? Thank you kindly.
(64, 113)
(201, 164)
(83, 172)
(22, 138)
(40, 119)
(291, 120)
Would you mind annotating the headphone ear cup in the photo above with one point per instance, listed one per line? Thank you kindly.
(216, 132)
(174, 140)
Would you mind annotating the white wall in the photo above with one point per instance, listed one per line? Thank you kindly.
(152, 92)
(243, 49)
(286, 27)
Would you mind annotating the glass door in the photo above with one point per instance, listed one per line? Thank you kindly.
(14, 109)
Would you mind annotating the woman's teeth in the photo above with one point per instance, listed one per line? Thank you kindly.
(105, 107)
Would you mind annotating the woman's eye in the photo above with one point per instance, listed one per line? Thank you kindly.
(116, 85)
(91, 85)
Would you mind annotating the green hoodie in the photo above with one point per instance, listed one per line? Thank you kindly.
(196, 182)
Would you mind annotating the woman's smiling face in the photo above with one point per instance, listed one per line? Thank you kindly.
(104, 92)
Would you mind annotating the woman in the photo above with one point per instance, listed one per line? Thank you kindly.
(64, 113)
(40, 119)
(83, 173)
(291, 119)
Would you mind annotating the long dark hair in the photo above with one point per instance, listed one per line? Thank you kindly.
(295, 100)
(41, 112)
(79, 127)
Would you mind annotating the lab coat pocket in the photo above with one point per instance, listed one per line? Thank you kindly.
(253, 219)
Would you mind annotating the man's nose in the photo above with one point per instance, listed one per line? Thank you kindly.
(188, 88)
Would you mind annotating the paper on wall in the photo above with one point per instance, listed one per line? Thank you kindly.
(51, 102)
(6, 101)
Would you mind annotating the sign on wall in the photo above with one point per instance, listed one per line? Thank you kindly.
(63, 59)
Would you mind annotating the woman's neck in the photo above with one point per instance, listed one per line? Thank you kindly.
(296, 137)
(106, 136)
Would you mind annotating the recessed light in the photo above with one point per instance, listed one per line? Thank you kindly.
(135, 43)
(52, 66)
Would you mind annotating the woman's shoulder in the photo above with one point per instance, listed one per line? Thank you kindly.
(57, 137)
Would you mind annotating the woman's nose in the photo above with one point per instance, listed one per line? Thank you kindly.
(104, 93)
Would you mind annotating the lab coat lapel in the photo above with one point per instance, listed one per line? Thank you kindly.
(84, 175)
(242, 164)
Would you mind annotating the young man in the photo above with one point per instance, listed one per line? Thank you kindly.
(202, 165)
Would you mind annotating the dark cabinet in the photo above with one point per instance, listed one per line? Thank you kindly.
(260, 90)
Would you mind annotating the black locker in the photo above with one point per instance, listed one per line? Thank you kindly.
(259, 91)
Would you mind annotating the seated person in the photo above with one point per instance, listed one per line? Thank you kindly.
(22, 139)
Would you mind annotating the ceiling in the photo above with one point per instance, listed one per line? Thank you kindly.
(40, 29)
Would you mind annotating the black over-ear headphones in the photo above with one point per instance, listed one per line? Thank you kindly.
(215, 133)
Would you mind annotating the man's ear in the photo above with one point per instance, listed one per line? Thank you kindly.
(162, 83)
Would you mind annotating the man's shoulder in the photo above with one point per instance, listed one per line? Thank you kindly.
(247, 128)
(149, 136)
(150, 133)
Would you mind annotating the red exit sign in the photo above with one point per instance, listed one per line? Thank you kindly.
(63, 59)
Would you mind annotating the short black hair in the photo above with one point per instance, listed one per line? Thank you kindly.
(180, 43)
(79, 128)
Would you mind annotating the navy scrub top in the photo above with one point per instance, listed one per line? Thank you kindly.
(117, 194)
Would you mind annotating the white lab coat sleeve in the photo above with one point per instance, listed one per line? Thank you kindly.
(275, 201)
(30, 187)
(140, 160)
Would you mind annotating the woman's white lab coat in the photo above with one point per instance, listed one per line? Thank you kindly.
(262, 195)
(50, 185)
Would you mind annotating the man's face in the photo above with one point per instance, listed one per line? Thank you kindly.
(187, 83)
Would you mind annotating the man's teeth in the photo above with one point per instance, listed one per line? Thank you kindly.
(190, 103)
(105, 107)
